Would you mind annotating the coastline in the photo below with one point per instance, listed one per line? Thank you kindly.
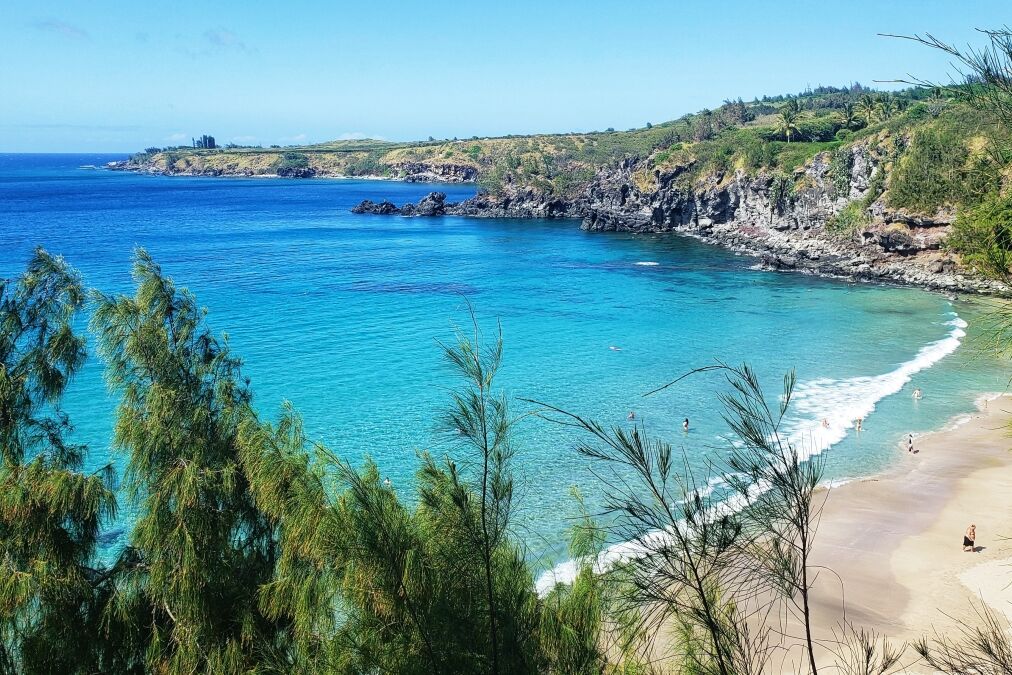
(890, 544)
(736, 215)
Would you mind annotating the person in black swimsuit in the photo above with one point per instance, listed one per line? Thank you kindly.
(969, 538)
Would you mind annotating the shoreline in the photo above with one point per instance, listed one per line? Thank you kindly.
(890, 543)
(776, 246)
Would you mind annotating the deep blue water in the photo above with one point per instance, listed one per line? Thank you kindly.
(341, 314)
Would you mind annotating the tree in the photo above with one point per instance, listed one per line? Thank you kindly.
(984, 649)
(987, 79)
(778, 482)
(50, 513)
(200, 550)
(444, 586)
(790, 115)
(886, 107)
(865, 107)
(849, 117)
(981, 232)
(685, 564)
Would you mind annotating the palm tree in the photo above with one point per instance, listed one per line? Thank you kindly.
(790, 115)
(849, 116)
(866, 108)
(886, 107)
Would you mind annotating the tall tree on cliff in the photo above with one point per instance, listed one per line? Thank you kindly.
(790, 115)
(866, 107)
(50, 512)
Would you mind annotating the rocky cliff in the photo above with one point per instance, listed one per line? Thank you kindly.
(310, 165)
(788, 222)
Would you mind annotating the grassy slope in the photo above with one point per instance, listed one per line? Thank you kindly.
(932, 143)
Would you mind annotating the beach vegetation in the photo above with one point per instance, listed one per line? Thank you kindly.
(51, 511)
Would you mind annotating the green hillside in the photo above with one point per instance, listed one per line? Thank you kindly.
(934, 149)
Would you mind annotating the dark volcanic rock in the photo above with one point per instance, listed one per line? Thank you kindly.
(432, 204)
(522, 203)
(419, 172)
(384, 208)
(297, 172)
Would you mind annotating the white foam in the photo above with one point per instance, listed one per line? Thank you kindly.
(840, 402)
(647, 263)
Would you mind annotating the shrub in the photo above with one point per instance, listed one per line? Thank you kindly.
(852, 217)
(291, 160)
(781, 191)
(843, 135)
(983, 236)
(757, 153)
(931, 174)
(840, 166)
(818, 129)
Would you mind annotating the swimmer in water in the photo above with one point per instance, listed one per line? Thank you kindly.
(631, 415)
(918, 394)
(685, 424)
(825, 423)
(387, 482)
(858, 422)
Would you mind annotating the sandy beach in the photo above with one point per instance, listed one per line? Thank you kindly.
(891, 544)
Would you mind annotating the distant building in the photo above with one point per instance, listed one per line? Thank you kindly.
(205, 142)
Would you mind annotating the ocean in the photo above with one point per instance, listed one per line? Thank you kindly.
(343, 315)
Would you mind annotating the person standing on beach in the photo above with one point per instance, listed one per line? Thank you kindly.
(969, 538)
(910, 443)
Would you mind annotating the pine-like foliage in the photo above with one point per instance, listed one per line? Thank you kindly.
(49, 511)
(443, 587)
(186, 597)
(292, 493)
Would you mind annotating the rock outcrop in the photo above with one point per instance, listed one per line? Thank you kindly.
(418, 172)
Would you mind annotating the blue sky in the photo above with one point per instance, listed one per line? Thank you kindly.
(120, 76)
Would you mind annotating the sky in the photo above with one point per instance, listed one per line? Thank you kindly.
(120, 76)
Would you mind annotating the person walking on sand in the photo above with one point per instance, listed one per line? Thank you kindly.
(910, 443)
(969, 538)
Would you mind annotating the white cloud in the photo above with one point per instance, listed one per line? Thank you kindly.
(60, 27)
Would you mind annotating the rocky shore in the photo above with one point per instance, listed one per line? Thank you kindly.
(749, 214)
(256, 165)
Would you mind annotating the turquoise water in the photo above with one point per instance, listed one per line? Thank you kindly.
(341, 315)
